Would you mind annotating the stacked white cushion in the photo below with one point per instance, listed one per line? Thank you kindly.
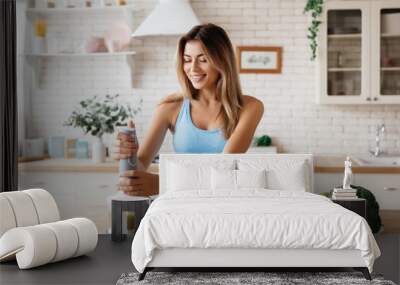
(282, 174)
(31, 233)
(41, 244)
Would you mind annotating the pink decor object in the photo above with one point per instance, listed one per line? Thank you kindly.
(118, 37)
(95, 44)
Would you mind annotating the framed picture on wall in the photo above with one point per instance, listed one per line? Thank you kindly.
(256, 59)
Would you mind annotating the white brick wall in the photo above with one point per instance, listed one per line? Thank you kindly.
(292, 119)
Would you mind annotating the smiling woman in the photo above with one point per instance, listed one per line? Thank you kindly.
(209, 115)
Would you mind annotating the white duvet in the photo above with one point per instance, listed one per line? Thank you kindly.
(250, 219)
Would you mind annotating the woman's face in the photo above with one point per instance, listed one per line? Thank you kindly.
(197, 67)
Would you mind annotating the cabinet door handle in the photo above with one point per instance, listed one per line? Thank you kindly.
(375, 98)
(391, 188)
(368, 99)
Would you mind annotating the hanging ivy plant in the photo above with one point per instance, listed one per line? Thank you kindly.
(315, 7)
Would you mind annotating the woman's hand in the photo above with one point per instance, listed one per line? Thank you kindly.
(124, 146)
(139, 183)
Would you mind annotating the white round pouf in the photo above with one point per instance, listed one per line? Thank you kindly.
(7, 216)
(23, 208)
(87, 234)
(45, 205)
(67, 239)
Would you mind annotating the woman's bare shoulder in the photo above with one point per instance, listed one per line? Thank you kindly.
(172, 98)
(250, 101)
(169, 107)
(170, 102)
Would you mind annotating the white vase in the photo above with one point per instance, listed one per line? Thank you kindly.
(39, 45)
(98, 151)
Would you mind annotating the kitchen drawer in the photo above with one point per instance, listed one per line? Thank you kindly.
(385, 187)
(77, 194)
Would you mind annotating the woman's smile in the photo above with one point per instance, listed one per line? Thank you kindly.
(198, 78)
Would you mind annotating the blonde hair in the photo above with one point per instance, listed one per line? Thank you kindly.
(219, 51)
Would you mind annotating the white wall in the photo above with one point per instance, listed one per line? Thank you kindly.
(291, 117)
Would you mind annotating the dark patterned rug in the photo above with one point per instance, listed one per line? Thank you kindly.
(273, 278)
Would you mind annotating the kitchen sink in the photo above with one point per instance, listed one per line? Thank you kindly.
(369, 160)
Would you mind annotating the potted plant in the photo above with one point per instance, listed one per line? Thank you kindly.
(98, 116)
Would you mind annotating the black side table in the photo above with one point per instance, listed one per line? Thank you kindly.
(120, 203)
(358, 205)
(138, 206)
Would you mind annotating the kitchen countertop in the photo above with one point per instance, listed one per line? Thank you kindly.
(74, 165)
(335, 164)
(322, 164)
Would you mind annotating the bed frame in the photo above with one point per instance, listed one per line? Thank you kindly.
(246, 259)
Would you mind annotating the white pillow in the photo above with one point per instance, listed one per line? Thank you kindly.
(186, 175)
(251, 178)
(281, 174)
(223, 179)
(230, 180)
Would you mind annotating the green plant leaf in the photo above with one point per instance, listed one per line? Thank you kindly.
(98, 115)
(316, 9)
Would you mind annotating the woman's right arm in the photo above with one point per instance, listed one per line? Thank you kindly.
(139, 182)
(155, 135)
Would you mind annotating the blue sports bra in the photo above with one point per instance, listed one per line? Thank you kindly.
(188, 138)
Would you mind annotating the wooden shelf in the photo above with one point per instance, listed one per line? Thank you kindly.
(345, 36)
(343, 69)
(33, 11)
(390, 68)
(390, 35)
(97, 54)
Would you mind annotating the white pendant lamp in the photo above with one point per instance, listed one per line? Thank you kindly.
(170, 17)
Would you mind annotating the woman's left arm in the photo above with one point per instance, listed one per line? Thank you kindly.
(250, 116)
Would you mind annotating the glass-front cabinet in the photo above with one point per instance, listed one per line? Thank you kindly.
(359, 53)
(386, 66)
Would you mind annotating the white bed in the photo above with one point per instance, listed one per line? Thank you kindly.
(247, 210)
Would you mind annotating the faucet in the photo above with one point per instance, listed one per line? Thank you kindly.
(380, 130)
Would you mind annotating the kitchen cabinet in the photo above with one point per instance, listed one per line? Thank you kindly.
(385, 187)
(359, 53)
(77, 194)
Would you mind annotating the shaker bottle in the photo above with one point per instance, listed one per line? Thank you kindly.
(129, 163)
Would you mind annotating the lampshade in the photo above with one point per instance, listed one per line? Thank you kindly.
(170, 17)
